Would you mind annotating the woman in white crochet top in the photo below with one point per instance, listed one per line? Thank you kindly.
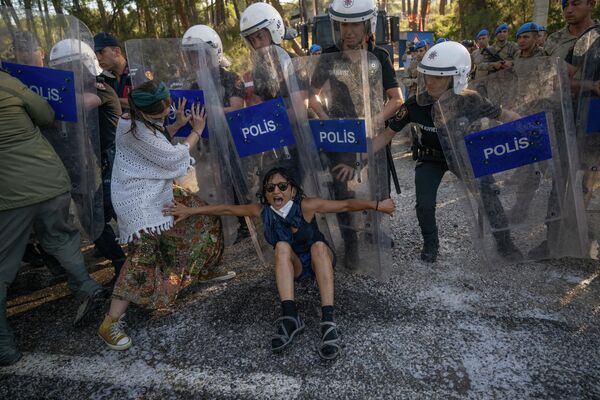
(164, 257)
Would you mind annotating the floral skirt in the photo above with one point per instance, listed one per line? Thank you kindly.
(160, 266)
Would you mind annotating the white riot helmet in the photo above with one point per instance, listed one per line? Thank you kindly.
(258, 16)
(450, 59)
(69, 50)
(204, 34)
(353, 11)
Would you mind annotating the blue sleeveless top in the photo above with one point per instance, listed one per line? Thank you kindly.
(278, 229)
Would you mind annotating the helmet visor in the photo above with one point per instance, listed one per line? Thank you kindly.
(431, 87)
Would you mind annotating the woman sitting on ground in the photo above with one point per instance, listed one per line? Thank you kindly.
(165, 257)
(300, 248)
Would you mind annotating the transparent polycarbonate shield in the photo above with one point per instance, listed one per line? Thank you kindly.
(220, 86)
(586, 59)
(346, 98)
(271, 133)
(515, 152)
(51, 55)
(178, 67)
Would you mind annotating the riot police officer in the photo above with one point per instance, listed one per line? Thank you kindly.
(445, 67)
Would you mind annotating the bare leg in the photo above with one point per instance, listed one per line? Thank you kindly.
(287, 266)
(322, 261)
(117, 308)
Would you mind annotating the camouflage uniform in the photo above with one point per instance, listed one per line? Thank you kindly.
(560, 42)
(478, 57)
(410, 78)
(537, 52)
(506, 52)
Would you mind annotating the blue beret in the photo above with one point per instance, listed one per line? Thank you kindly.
(441, 40)
(104, 39)
(527, 27)
(564, 3)
(501, 27)
(314, 48)
(420, 44)
(483, 32)
(541, 28)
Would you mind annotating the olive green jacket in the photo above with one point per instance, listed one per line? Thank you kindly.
(30, 169)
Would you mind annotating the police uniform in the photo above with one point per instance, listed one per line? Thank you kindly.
(122, 85)
(506, 52)
(108, 118)
(431, 162)
(343, 106)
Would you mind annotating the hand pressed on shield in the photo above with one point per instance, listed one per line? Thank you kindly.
(344, 172)
(198, 122)
(180, 118)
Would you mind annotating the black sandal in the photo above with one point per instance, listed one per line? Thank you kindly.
(329, 349)
(286, 337)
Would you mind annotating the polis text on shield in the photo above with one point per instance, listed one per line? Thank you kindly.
(259, 129)
(506, 148)
(337, 137)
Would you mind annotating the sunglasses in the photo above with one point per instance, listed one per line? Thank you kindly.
(281, 185)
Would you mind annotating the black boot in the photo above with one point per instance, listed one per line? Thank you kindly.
(506, 247)
(431, 243)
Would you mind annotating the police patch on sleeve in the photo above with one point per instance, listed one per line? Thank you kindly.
(401, 114)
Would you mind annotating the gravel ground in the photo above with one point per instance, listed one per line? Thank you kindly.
(455, 329)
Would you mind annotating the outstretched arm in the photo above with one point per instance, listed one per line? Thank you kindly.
(181, 212)
(313, 205)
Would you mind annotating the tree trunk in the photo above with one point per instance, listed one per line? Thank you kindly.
(316, 7)
(102, 11)
(540, 12)
(277, 5)
(182, 15)
(236, 9)
(404, 7)
(191, 6)
(424, 12)
(443, 7)
(57, 4)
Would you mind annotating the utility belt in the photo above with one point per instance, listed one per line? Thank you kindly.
(423, 153)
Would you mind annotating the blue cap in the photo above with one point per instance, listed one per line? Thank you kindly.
(527, 27)
(314, 48)
(105, 39)
(501, 27)
(483, 32)
(429, 42)
(441, 40)
(420, 44)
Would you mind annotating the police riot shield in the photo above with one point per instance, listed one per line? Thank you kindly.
(514, 150)
(586, 58)
(53, 55)
(271, 131)
(346, 98)
(178, 67)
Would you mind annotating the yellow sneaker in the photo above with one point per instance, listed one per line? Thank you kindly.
(112, 333)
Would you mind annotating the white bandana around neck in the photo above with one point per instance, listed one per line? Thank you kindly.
(285, 210)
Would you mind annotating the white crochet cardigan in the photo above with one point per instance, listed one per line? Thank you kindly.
(142, 179)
